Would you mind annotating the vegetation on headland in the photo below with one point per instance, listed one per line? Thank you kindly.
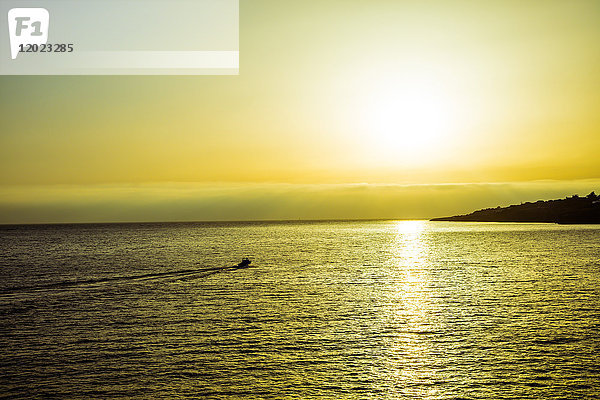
(571, 210)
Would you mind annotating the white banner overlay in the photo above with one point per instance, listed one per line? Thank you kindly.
(119, 37)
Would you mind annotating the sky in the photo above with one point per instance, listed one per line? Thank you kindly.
(342, 109)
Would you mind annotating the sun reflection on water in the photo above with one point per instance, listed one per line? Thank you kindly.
(410, 249)
(409, 311)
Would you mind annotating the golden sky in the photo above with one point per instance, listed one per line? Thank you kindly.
(402, 94)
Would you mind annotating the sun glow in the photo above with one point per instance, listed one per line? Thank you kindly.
(409, 122)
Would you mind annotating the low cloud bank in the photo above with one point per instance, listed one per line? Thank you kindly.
(227, 202)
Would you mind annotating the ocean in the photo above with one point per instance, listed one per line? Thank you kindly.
(339, 310)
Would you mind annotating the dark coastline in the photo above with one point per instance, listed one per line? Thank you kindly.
(571, 210)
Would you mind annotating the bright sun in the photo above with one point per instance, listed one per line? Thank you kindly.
(410, 121)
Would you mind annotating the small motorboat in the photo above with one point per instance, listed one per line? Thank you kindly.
(244, 264)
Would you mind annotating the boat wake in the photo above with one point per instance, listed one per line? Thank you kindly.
(186, 274)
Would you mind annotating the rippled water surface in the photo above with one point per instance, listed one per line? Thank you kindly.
(423, 310)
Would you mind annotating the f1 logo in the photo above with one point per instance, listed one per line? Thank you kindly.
(27, 26)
